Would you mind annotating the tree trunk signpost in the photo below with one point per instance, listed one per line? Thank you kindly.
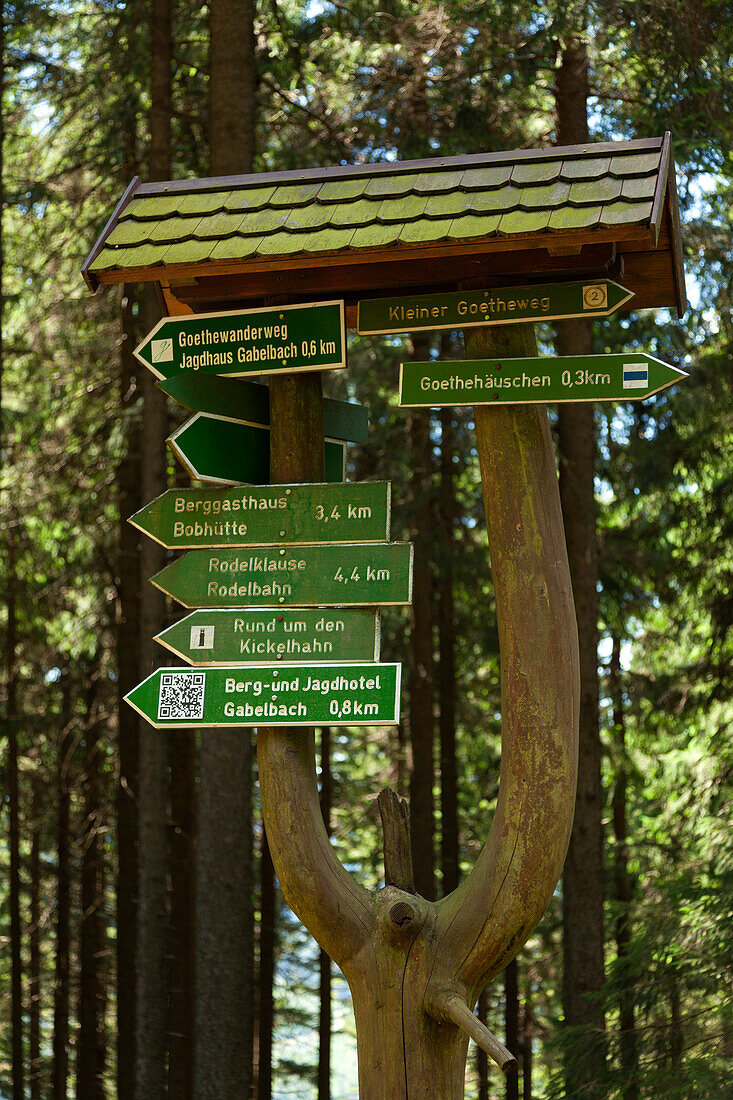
(286, 578)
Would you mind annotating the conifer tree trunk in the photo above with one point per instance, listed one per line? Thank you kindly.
(11, 711)
(267, 972)
(224, 1014)
(128, 634)
(421, 656)
(63, 892)
(324, 962)
(181, 1035)
(91, 1046)
(527, 1032)
(34, 974)
(151, 1034)
(622, 887)
(447, 662)
(482, 1059)
(129, 583)
(583, 879)
(182, 846)
(151, 1024)
(511, 1024)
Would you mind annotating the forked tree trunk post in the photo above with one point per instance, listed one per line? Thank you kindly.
(415, 968)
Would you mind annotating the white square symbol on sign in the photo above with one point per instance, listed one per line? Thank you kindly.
(162, 350)
(202, 637)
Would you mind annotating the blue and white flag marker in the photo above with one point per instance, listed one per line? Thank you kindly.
(636, 376)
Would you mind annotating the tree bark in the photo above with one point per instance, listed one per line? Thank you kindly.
(63, 893)
(224, 942)
(181, 1023)
(511, 1023)
(622, 886)
(482, 1058)
(151, 1035)
(151, 1023)
(421, 720)
(182, 940)
(91, 1046)
(324, 962)
(429, 960)
(527, 1034)
(267, 972)
(128, 634)
(232, 83)
(11, 711)
(583, 880)
(34, 974)
(447, 663)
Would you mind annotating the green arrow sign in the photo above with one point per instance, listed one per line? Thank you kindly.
(260, 695)
(349, 575)
(630, 376)
(250, 402)
(227, 452)
(268, 515)
(500, 306)
(213, 637)
(272, 340)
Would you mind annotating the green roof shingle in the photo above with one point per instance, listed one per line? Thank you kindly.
(388, 205)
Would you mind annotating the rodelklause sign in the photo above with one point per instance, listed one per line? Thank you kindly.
(310, 336)
(211, 636)
(498, 306)
(268, 515)
(249, 402)
(227, 452)
(627, 376)
(259, 695)
(346, 575)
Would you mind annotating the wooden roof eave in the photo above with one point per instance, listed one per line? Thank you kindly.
(666, 204)
(552, 242)
(91, 278)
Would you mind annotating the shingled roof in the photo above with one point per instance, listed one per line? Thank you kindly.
(557, 201)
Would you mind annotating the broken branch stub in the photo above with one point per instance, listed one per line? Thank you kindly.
(415, 968)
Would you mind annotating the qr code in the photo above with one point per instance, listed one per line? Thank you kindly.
(181, 696)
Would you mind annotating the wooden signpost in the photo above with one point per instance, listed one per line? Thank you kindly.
(304, 337)
(226, 452)
(497, 306)
(346, 575)
(214, 637)
(255, 695)
(267, 515)
(403, 239)
(618, 377)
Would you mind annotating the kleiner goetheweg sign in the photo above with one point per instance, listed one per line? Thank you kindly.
(498, 306)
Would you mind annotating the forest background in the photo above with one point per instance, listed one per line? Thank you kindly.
(115, 979)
